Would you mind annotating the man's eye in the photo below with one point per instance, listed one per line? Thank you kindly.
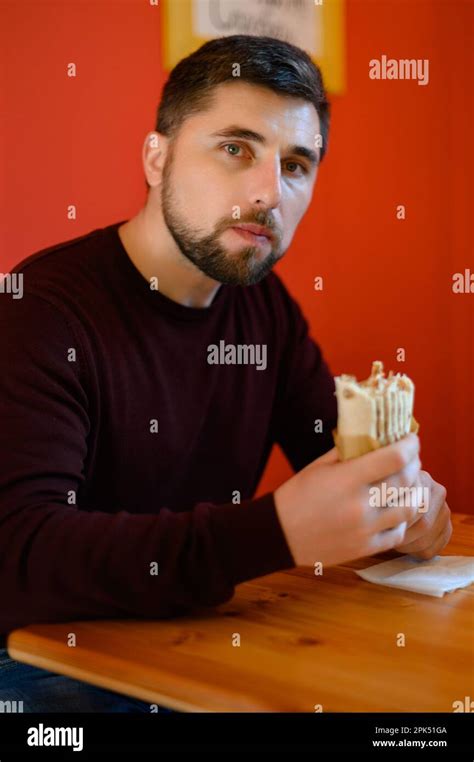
(296, 164)
(232, 145)
(292, 166)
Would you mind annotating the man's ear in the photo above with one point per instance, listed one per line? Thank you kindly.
(154, 152)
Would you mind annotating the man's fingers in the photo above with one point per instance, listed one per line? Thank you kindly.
(384, 462)
(389, 539)
(423, 500)
(437, 545)
(407, 477)
(388, 518)
(415, 541)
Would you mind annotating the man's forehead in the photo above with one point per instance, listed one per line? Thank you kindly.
(260, 107)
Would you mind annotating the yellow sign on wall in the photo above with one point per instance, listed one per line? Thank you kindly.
(317, 26)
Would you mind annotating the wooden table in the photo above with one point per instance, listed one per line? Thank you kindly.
(304, 641)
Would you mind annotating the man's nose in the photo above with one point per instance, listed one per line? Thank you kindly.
(265, 182)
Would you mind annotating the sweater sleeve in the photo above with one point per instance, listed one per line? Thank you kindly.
(306, 412)
(58, 562)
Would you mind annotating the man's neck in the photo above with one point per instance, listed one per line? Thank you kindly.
(153, 251)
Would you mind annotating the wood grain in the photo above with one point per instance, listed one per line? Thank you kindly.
(305, 640)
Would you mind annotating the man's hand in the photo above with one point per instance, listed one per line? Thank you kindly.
(325, 509)
(430, 532)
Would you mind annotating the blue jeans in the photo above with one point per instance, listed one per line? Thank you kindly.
(42, 691)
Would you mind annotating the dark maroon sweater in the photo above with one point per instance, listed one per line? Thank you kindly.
(123, 451)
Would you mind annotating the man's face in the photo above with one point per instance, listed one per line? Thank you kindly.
(214, 182)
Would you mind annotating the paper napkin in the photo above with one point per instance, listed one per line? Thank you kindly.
(439, 575)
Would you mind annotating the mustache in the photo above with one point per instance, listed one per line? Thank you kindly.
(259, 219)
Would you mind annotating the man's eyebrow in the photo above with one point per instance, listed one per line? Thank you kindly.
(244, 134)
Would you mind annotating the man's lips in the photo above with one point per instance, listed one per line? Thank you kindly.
(257, 230)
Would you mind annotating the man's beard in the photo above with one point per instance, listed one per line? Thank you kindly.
(241, 268)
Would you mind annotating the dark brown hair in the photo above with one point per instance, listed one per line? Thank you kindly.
(265, 61)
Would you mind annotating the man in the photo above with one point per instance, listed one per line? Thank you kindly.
(152, 364)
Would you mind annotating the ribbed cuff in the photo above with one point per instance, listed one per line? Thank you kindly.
(249, 539)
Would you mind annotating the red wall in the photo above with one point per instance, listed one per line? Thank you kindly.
(387, 283)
